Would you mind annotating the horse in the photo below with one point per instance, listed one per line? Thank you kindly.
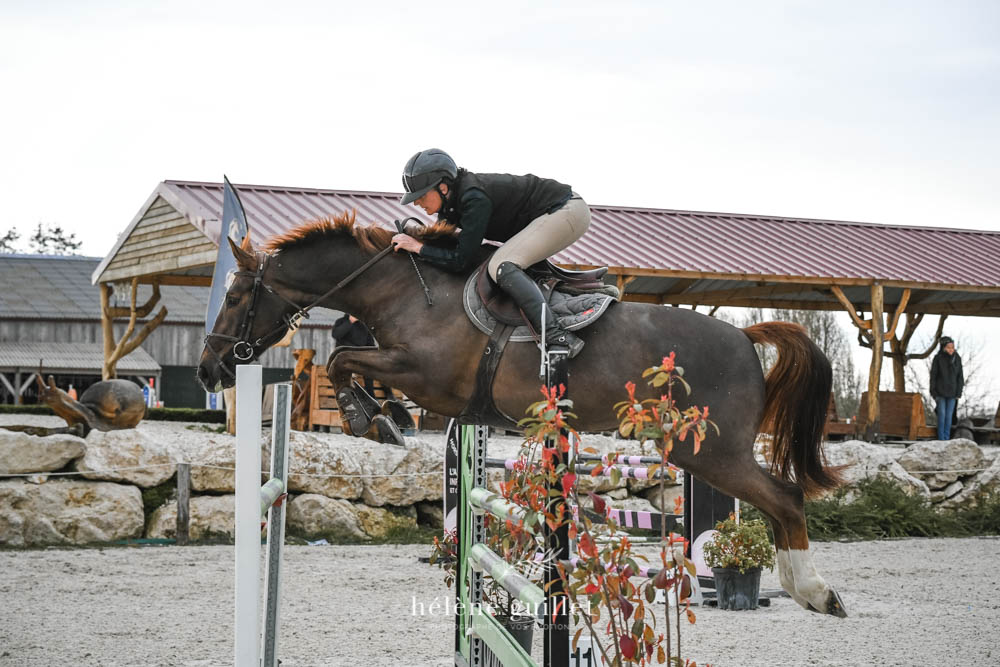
(431, 352)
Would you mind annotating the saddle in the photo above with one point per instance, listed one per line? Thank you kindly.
(548, 276)
(577, 298)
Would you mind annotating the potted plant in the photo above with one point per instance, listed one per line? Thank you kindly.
(736, 555)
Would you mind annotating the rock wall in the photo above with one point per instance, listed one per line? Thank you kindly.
(344, 487)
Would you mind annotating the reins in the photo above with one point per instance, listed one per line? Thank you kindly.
(244, 350)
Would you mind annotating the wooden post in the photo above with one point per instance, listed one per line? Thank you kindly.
(107, 332)
(229, 398)
(875, 371)
(183, 502)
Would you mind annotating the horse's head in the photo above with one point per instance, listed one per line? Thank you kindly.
(252, 318)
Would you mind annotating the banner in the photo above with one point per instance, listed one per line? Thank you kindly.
(234, 225)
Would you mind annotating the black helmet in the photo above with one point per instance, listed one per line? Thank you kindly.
(424, 171)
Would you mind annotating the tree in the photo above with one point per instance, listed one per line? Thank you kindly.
(824, 329)
(53, 240)
(8, 241)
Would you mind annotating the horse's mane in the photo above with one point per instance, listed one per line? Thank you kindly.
(370, 238)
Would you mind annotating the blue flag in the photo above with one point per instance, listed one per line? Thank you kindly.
(234, 225)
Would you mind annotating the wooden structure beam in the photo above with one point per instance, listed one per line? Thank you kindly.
(875, 371)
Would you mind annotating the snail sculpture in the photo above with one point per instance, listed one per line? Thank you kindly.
(109, 405)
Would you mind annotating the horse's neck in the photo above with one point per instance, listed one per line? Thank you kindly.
(388, 297)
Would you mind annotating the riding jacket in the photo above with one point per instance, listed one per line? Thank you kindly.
(492, 207)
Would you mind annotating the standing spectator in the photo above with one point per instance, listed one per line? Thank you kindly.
(947, 381)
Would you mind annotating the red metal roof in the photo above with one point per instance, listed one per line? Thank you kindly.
(713, 244)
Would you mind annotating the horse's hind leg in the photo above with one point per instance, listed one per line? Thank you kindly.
(784, 505)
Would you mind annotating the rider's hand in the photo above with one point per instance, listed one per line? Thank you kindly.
(406, 242)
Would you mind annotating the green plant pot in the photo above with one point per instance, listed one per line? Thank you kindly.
(735, 591)
(520, 627)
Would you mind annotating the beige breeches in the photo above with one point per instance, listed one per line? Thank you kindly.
(544, 236)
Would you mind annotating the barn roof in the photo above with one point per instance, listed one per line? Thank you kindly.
(659, 255)
(70, 358)
(58, 287)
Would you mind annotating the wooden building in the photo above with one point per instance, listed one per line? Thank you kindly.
(50, 311)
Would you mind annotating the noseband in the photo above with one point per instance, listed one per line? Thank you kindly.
(245, 350)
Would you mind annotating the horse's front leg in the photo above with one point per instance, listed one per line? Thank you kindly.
(360, 413)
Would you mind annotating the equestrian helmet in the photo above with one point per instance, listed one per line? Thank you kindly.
(426, 170)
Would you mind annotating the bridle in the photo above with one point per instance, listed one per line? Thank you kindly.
(245, 350)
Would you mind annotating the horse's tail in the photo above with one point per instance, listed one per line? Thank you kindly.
(797, 392)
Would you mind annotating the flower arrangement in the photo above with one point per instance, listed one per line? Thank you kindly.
(742, 546)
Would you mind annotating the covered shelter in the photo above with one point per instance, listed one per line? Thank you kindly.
(877, 273)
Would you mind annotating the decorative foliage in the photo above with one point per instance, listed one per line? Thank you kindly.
(740, 546)
(612, 591)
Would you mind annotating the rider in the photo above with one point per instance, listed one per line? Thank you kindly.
(533, 217)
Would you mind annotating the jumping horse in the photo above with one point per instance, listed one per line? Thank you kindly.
(431, 352)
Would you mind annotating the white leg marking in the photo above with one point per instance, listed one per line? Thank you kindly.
(808, 584)
(787, 576)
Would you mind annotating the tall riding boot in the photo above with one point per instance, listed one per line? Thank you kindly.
(515, 282)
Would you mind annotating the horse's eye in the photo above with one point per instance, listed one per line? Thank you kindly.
(232, 300)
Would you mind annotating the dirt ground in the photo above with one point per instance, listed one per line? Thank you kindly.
(911, 602)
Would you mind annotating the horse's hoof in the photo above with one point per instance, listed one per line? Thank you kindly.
(398, 413)
(835, 606)
(388, 432)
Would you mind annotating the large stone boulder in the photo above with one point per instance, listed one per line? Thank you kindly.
(211, 517)
(68, 512)
(940, 457)
(22, 452)
(378, 522)
(214, 468)
(128, 455)
(326, 464)
(311, 516)
(666, 500)
(976, 487)
(863, 460)
(401, 476)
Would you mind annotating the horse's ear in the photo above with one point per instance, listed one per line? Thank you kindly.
(244, 257)
(246, 244)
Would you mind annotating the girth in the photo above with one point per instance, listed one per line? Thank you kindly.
(481, 408)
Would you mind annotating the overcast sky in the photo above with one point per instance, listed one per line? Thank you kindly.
(873, 111)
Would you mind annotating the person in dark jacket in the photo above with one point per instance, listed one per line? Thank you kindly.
(947, 382)
(532, 217)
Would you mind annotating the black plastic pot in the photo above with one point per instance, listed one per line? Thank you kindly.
(736, 591)
(520, 627)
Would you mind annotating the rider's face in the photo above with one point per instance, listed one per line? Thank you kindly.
(431, 201)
